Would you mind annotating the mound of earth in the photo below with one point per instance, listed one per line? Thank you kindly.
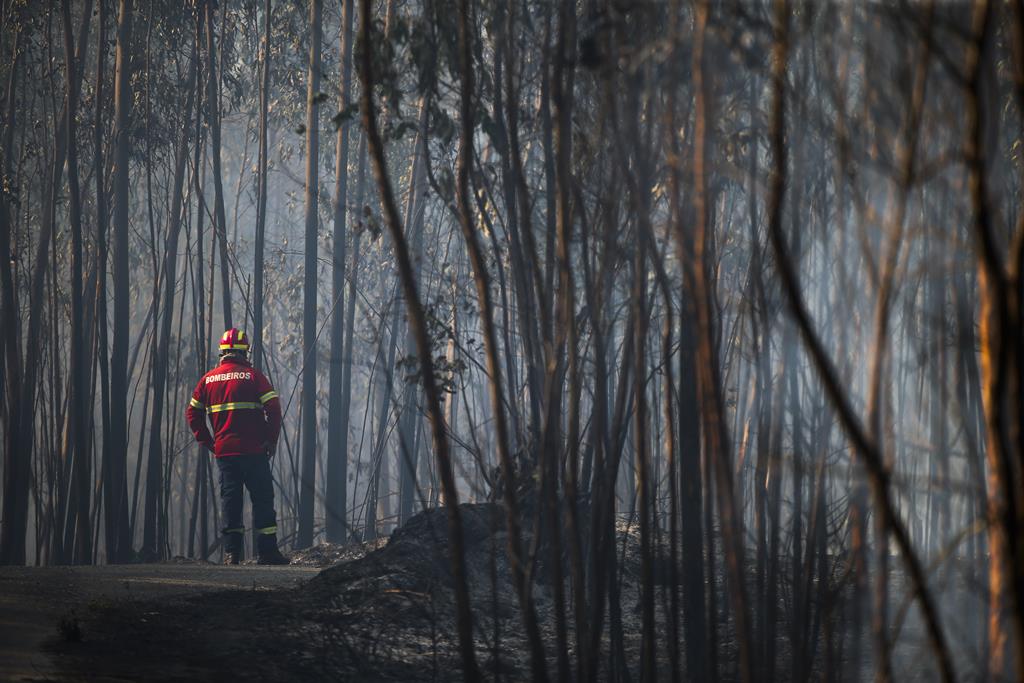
(394, 609)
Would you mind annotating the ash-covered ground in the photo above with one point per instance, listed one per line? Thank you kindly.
(379, 611)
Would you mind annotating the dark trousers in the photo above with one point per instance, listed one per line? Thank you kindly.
(251, 472)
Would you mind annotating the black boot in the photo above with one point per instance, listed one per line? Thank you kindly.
(232, 547)
(267, 552)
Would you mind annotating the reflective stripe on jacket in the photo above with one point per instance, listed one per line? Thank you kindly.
(242, 406)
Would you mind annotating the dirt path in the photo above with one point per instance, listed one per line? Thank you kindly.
(33, 601)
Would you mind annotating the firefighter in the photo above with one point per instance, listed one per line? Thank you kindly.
(245, 412)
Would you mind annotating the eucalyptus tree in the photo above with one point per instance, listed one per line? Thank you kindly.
(309, 297)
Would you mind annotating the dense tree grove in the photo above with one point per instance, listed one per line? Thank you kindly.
(744, 279)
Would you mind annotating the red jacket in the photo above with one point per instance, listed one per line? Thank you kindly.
(243, 407)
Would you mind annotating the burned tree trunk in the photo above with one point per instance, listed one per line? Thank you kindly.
(154, 533)
(116, 487)
(309, 441)
(417, 320)
(16, 461)
(213, 120)
(336, 500)
(77, 447)
(261, 198)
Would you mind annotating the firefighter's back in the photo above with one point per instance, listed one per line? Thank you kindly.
(235, 393)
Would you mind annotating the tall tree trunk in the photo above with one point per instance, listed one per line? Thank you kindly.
(117, 500)
(531, 262)
(77, 449)
(17, 476)
(155, 534)
(691, 541)
(867, 450)
(642, 464)
(16, 463)
(550, 190)
(691, 504)
(213, 119)
(308, 490)
(350, 318)
(337, 459)
(385, 390)
(490, 338)
(999, 339)
(520, 270)
(100, 327)
(712, 405)
(261, 200)
(562, 97)
(417, 319)
(408, 419)
(201, 337)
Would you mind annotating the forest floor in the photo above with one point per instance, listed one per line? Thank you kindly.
(121, 622)
(380, 611)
